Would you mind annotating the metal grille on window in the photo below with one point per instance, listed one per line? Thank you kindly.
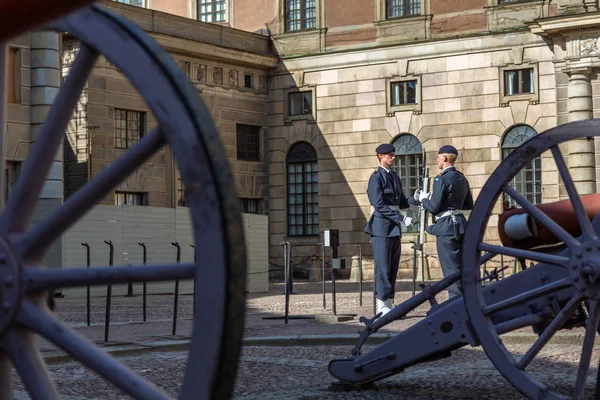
(302, 190)
(212, 10)
(251, 206)
(528, 182)
(408, 165)
(301, 14)
(129, 127)
(403, 8)
(248, 142)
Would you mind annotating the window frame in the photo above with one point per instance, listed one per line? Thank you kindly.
(227, 4)
(144, 3)
(289, 118)
(405, 6)
(533, 97)
(143, 198)
(415, 107)
(241, 154)
(142, 127)
(292, 159)
(302, 12)
(519, 179)
(402, 153)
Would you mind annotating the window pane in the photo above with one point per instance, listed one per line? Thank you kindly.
(527, 81)
(307, 96)
(295, 103)
(411, 92)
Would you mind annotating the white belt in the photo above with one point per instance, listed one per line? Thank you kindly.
(448, 213)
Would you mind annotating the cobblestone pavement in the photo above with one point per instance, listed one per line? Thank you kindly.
(286, 372)
(268, 373)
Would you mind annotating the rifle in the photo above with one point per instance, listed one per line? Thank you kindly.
(423, 215)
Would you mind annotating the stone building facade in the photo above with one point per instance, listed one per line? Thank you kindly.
(331, 79)
(228, 67)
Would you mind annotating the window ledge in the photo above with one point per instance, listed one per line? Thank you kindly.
(399, 20)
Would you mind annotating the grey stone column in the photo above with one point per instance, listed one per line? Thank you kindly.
(45, 83)
(581, 152)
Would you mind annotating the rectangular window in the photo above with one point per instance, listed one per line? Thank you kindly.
(403, 8)
(300, 14)
(212, 10)
(130, 199)
(403, 93)
(251, 206)
(129, 127)
(300, 103)
(518, 81)
(138, 3)
(248, 142)
(303, 199)
(13, 72)
(248, 81)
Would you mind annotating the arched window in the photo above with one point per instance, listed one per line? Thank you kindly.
(528, 182)
(302, 190)
(408, 164)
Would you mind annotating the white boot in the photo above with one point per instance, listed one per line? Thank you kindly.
(381, 307)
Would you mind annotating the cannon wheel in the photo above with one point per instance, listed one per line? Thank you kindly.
(220, 274)
(584, 251)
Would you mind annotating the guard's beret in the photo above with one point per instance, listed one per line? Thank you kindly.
(447, 149)
(385, 148)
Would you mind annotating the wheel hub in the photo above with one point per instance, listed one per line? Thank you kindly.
(585, 269)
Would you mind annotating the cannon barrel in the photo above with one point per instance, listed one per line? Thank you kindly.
(518, 229)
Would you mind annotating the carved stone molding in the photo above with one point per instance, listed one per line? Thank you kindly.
(218, 76)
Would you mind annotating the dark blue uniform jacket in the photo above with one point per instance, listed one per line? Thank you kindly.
(384, 190)
(451, 191)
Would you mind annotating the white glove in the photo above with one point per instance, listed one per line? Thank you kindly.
(407, 221)
(417, 194)
(423, 195)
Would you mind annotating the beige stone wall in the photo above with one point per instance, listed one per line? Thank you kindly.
(460, 104)
(211, 58)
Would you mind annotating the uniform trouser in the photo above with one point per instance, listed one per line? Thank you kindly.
(386, 254)
(449, 254)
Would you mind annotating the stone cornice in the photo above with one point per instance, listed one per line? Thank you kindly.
(565, 25)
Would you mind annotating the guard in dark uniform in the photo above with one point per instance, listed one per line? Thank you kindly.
(386, 198)
(451, 193)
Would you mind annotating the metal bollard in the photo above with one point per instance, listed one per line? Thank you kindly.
(333, 289)
(129, 286)
(360, 275)
(87, 248)
(108, 291)
(285, 279)
(290, 272)
(176, 302)
(194, 284)
(144, 283)
(323, 272)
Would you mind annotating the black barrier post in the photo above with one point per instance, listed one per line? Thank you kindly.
(360, 275)
(176, 302)
(87, 248)
(194, 283)
(323, 272)
(129, 286)
(108, 291)
(144, 283)
(286, 289)
(331, 237)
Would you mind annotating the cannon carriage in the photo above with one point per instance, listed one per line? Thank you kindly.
(560, 291)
